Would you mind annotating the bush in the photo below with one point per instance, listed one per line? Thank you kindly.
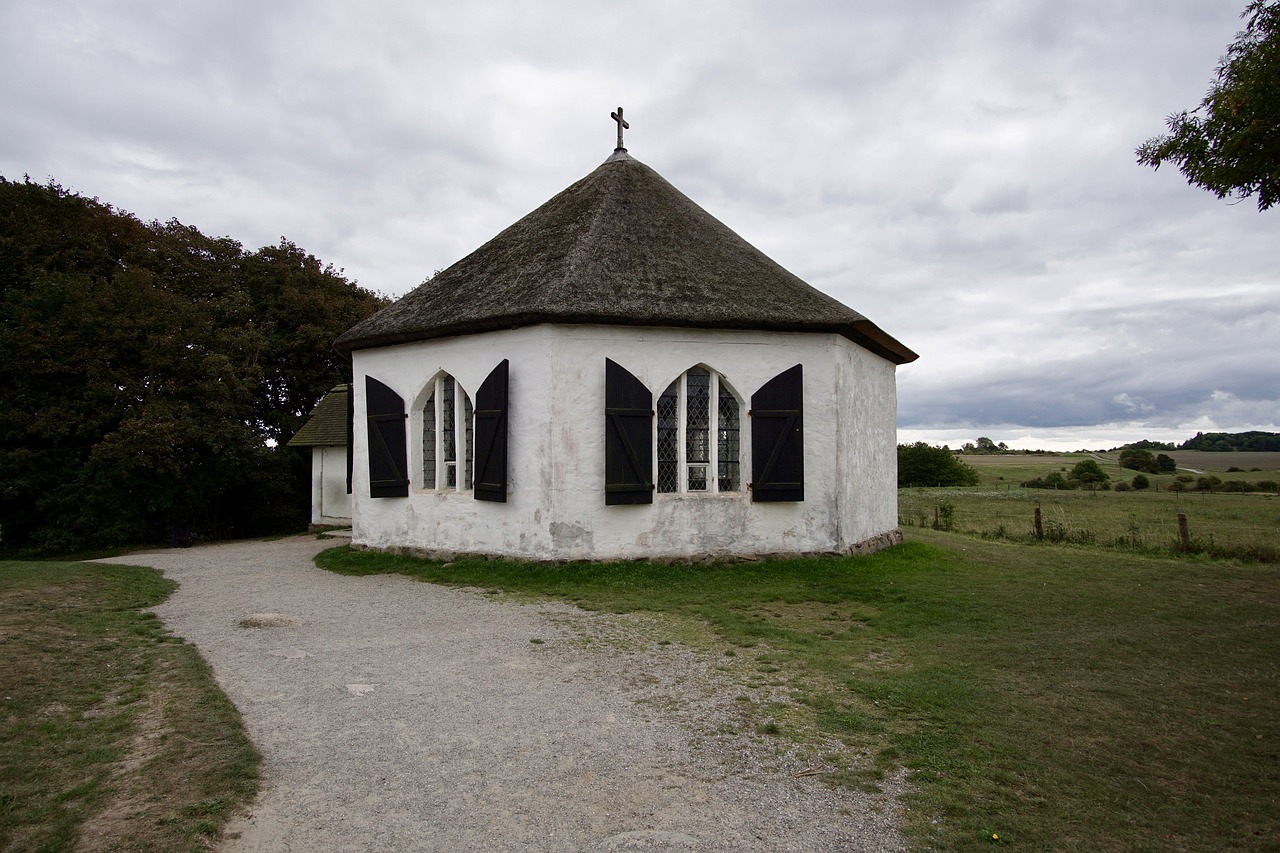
(1177, 485)
(1140, 481)
(946, 515)
(1139, 460)
(1122, 486)
(1087, 471)
(1208, 484)
(1052, 481)
(921, 464)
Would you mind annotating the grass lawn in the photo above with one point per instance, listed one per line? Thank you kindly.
(1059, 697)
(113, 734)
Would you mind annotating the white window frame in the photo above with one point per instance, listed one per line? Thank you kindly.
(712, 464)
(463, 432)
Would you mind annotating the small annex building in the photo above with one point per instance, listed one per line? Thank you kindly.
(327, 432)
(619, 375)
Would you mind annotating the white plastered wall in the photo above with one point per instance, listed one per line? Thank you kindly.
(330, 503)
(555, 505)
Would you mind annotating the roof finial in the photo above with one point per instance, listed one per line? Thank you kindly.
(622, 123)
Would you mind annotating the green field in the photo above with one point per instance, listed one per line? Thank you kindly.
(1245, 525)
(1012, 468)
(1016, 468)
(1060, 698)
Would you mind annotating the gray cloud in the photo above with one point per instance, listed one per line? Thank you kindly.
(962, 173)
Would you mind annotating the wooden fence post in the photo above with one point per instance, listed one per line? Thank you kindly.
(1183, 536)
(936, 526)
(1039, 529)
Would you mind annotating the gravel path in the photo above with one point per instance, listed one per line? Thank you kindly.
(398, 715)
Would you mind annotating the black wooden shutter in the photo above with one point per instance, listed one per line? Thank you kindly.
(777, 438)
(388, 463)
(491, 436)
(628, 438)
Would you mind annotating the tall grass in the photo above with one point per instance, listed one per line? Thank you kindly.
(1243, 526)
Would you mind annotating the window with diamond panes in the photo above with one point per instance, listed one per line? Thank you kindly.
(728, 442)
(447, 436)
(698, 443)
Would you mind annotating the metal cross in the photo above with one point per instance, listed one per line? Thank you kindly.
(622, 123)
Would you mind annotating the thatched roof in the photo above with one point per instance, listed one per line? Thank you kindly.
(619, 247)
(326, 426)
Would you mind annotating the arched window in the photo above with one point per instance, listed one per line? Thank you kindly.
(699, 435)
(446, 436)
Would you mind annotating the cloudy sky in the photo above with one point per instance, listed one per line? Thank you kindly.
(960, 172)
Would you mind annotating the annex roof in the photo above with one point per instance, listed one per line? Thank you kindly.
(326, 426)
(621, 246)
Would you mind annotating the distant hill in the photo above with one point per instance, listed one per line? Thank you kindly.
(1227, 441)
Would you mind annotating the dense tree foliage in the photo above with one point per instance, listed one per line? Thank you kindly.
(1087, 472)
(984, 445)
(1137, 459)
(1228, 441)
(152, 374)
(1230, 144)
(1147, 444)
(922, 464)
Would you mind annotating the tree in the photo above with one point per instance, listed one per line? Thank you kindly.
(921, 464)
(1228, 441)
(1087, 472)
(1140, 481)
(1139, 460)
(1230, 144)
(152, 375)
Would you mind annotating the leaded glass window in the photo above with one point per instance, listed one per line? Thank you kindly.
(728, 442)
(446, 422)
(688, 459)
(468, 418)
(429, 442)
(697, 427)
(669, 439)
(448, 431)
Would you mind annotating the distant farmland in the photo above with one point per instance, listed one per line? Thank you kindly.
(1245, 525)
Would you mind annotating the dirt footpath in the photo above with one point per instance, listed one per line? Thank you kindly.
(397, 715)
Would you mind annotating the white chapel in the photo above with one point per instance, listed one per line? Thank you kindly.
(619, 375)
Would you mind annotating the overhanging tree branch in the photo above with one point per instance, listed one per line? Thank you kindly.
(1230, 144)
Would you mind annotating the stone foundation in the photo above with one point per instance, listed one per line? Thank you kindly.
(877, 543)
(859, 549)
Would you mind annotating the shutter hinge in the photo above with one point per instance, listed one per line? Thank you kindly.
(750, 412)
(751, 487)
